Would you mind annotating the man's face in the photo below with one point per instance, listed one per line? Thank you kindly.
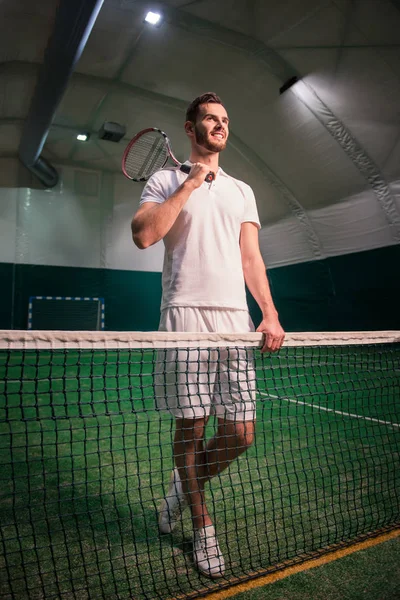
(212, 127)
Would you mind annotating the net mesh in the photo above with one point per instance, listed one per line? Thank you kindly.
(66, 314)
(86, 457)
(146, 156)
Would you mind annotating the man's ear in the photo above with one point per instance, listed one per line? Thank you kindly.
(189, 126)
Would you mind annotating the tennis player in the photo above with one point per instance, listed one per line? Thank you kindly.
(210, 233)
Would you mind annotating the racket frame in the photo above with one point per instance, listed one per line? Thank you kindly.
(170, 154)
(184, 168)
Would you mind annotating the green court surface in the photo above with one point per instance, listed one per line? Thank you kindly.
(85, 459)
(369, 574)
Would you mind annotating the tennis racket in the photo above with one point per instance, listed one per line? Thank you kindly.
(147, 153)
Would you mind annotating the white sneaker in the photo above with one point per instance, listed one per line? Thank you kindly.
(173, 505)
(206, 553)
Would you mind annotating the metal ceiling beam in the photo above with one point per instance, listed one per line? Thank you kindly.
(73, 24)
(72, 128)
(68, 163)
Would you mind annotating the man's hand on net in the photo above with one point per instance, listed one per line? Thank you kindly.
(273, 334)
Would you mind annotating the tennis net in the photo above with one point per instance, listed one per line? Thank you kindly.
(86, 456)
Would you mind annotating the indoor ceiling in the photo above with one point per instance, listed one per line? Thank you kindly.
(324, 153)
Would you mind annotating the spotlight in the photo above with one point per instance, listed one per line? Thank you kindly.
(288, 84)
(83, 137)
(153, 18)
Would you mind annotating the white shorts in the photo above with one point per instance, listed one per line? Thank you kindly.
(194, 383)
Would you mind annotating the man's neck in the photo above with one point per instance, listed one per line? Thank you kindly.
(210, 159)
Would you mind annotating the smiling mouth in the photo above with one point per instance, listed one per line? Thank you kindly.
(218, 135)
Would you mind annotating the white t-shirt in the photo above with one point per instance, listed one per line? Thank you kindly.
(202, 262)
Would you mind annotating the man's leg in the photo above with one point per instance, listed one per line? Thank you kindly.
(198, 463)
(230, 441)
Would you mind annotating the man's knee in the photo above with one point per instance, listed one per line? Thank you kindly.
(190, 430)
(241, 434)
(245, 436)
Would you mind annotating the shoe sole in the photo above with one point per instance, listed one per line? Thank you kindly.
(210, 575)
(216, 575)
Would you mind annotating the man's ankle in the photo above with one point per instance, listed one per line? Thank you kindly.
(201, 522)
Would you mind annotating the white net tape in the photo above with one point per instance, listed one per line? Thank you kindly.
(26, 340)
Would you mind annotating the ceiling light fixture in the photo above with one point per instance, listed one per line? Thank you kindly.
(153, 18)
(112, 132)
(83, 137)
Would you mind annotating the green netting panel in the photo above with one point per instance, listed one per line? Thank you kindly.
(86, 457)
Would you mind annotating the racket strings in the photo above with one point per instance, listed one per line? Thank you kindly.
(146, 156)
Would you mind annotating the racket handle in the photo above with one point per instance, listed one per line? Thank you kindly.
(209, 177)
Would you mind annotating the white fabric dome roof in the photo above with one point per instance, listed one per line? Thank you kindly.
(323, 158)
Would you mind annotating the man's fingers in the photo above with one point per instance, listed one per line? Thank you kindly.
(199, 172)
(267, 343)
(272, 343)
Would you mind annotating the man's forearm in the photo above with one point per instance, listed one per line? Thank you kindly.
(150, 226)
(256, 280)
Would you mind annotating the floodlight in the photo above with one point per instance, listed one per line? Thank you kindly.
(153, 18)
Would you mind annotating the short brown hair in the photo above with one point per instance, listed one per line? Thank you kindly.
(193, 108)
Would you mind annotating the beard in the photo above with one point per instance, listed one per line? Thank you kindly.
(209, 144)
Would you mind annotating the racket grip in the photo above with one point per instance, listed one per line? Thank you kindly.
(209, 177)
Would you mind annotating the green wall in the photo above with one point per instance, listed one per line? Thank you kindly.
(132, 298)
(352, 292)
(6, 295)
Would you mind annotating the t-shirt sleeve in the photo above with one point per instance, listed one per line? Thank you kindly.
(154, 190)
(250, 213)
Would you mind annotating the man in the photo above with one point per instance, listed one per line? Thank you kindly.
(210, 232)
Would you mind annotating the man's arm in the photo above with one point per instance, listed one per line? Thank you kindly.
(153, 220)
(256, 280)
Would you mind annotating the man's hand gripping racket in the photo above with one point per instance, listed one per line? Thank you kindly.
(147, 153)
